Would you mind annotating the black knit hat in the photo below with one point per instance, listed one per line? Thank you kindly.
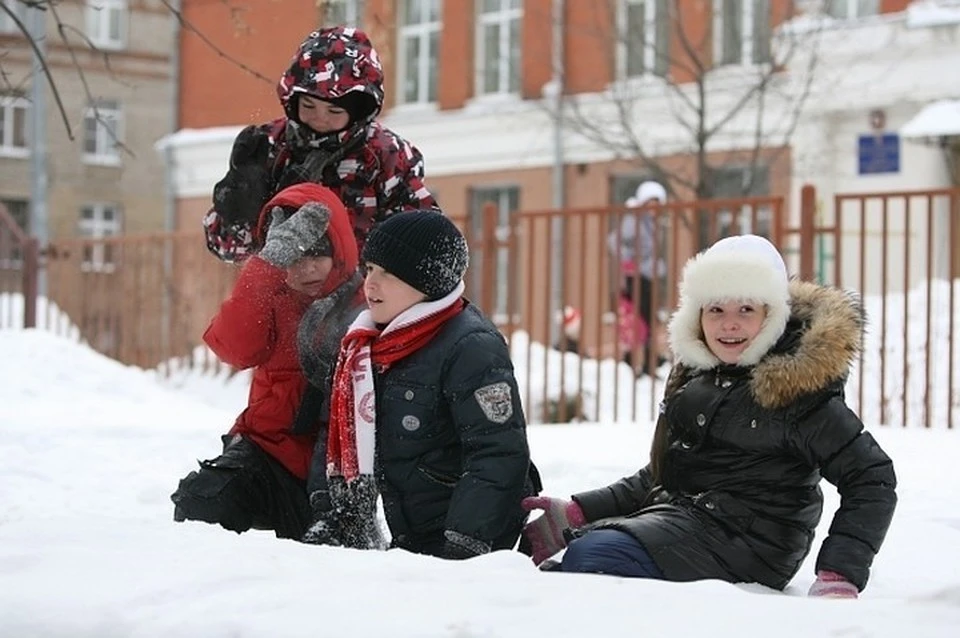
(422, 248)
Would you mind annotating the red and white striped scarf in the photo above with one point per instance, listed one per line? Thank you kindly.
(353, 417)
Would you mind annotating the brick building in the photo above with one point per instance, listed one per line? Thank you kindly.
(475, 85)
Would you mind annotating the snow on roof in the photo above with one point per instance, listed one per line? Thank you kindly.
(939, 119)
(197, 137)
(932, 13)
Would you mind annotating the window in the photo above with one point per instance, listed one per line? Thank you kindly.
(734, 182)
(419, 50)
(507, 200)
(98, 221)
(345, 12)
(852, 9)
(107, 23)
(10, 255)
(644, 39)
(741, 32)
(498, 46)
(101, 133)
(14, 122)
(7, 25)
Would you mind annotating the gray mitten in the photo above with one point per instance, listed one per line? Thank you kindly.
(356, 507)
(288, 239)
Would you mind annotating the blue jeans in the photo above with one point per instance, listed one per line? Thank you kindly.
(609, 551)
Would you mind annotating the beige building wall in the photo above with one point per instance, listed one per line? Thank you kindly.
(139, 77)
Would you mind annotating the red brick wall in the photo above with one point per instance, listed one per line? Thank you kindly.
(262, 35)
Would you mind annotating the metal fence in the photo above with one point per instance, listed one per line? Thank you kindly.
(145, 300)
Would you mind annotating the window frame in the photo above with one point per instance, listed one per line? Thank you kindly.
(427, 67)
(851, 9)
(11, 257)
(106, 151)
(8, 105)
(656, 21)
(99, 258)
(750, 33)
(98, 23)
(506, 77)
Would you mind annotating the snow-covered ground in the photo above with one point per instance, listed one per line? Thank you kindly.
(90, 451)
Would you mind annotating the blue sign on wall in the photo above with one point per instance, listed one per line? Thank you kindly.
(878, 154)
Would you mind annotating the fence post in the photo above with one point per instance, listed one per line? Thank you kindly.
(31, 271)
(488, 280)
(808, 216)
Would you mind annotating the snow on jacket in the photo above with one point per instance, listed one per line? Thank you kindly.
(373, 171)
(256, 327)
(740, 453)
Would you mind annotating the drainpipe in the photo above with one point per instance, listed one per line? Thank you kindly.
(39, 222)
(558, 182)
(170, 190)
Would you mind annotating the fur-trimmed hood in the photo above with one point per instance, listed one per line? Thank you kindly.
(822, 339)
(831, 336)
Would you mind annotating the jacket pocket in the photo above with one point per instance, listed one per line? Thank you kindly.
(409, 411)
(438, 477)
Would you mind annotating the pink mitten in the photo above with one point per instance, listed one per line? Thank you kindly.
(832, 585)
(546, 532)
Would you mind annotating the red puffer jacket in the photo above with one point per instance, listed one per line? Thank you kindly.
(256, 327)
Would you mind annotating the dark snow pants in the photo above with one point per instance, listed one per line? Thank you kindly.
(609, 551)
(244, 488)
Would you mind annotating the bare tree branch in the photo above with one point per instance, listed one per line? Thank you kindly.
(188, 26)
(40, 58)
(703, 108)
(91, 100)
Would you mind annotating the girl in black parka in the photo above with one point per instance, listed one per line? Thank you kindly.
(753, 418)
(424, 407)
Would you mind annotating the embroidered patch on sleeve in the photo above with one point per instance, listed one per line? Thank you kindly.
(495, 401)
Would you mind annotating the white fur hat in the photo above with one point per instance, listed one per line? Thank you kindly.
(742, 267)
(646, 192)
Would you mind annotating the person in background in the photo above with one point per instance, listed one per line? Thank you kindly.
(425, 407)
(752, 419)
(634, 248)
(308, 266)
(331, 95)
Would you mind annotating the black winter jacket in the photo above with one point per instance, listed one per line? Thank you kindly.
(744, 453)
(451, 440)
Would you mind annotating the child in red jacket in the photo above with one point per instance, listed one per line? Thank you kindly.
(308, 266)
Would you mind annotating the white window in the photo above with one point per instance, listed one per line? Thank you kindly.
(852, 9)
(11, 257)
(345, 12)
(14, 123)
(419, 50)
(644, 38)
(107, 23)
(506, 200)
(741, 32)
(101, 133)
(7, 25)
(498, 46)
(98, 221)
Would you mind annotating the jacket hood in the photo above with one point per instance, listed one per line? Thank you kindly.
(329, 64)
(827, 339)
(339, 231)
